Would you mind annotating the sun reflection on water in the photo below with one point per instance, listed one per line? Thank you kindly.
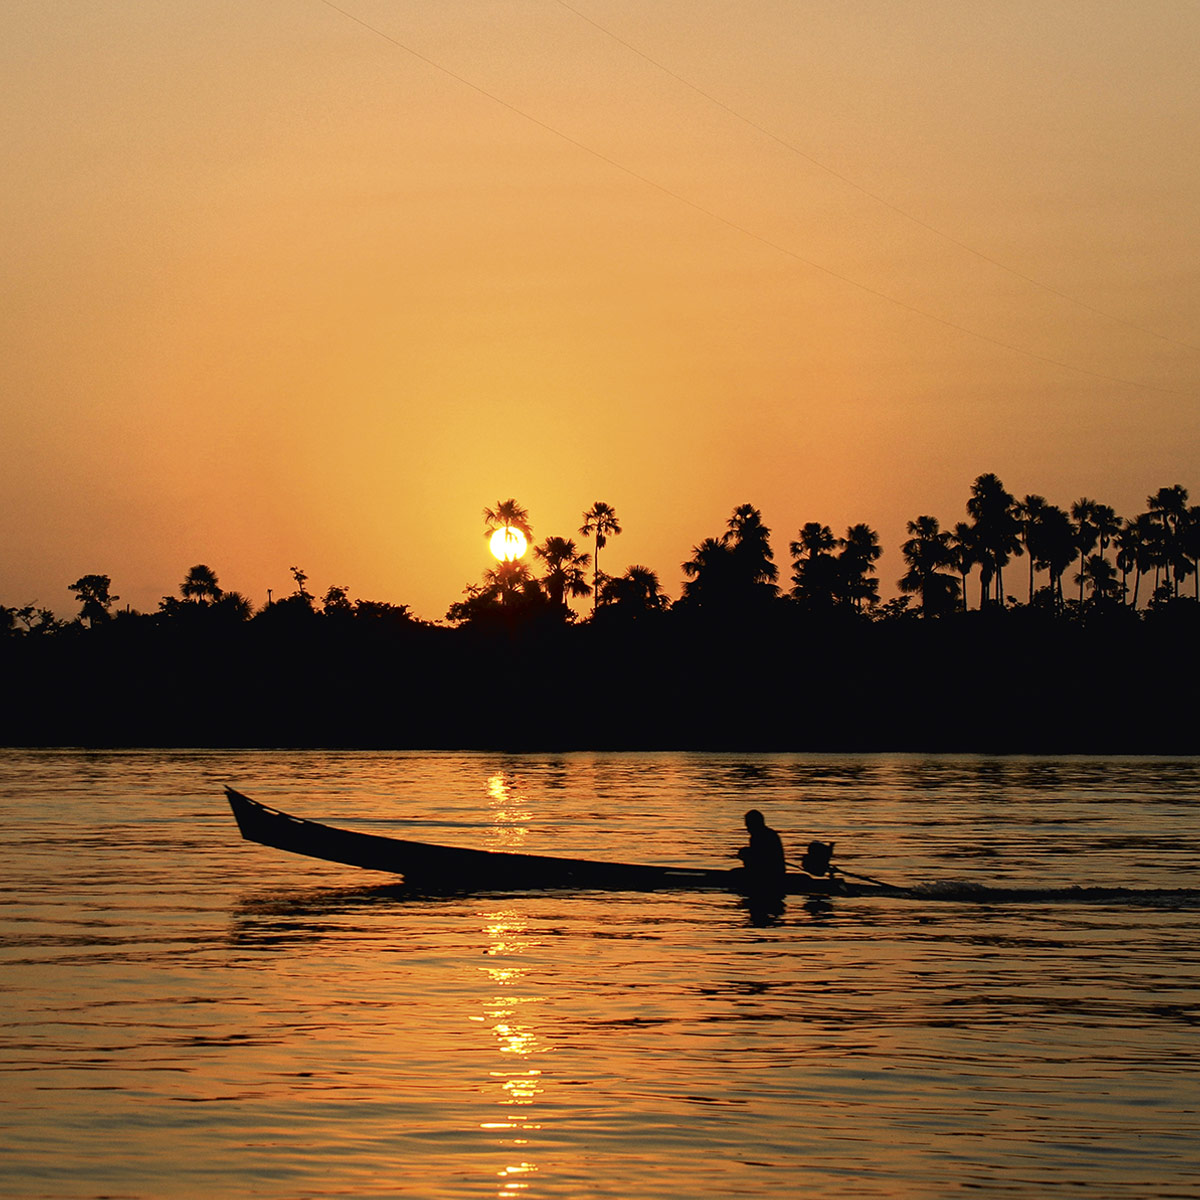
(507, 1015)
(509, 810)
(511, 1184)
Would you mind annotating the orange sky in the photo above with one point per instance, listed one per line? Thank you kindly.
(280, 290)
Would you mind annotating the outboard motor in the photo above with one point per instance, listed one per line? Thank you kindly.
(816, 860)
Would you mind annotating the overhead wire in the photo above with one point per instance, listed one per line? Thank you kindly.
(865, 191)
(734, 225)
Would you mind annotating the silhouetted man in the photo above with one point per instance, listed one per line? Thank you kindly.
(763, 858)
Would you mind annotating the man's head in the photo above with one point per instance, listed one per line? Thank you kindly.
(754, 820)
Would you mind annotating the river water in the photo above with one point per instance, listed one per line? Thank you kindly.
(188, 1015)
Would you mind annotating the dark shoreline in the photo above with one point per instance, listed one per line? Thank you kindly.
(1004, 682)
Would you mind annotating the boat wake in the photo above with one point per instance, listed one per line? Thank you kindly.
(977, 893)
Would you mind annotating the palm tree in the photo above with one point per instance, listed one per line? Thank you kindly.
(637, 591)
(1135, 550)
(506, 581)
(710, 572)
(200, 585)
(1028, 513)
(815, 573)
(860, 550)
(1102, 577)
(926, 552)
(814, 538)
(752, 549)
(964, 554)
(565, 570)
(1086, 533)
(507, 513)
(735, 571)
(1189, 541)
(599, 522)
(993, 511)
(1055, 546)
(1107, 523)
(1170, 506)
(235, 607)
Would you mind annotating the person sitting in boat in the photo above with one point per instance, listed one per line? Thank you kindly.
(763, 858)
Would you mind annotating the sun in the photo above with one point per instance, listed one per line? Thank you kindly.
(508, 543)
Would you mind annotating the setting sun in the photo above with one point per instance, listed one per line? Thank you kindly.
(508, 543)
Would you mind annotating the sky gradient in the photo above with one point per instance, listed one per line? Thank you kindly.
(293, 285)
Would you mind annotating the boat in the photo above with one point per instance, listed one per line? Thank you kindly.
(432, 868)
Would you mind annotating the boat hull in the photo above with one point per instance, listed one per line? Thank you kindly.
(430, 867)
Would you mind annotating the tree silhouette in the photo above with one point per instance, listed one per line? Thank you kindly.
(1029, 513)
(200, 585)
(710, 573)
(36, 621)
(860, 550)
(926, 552)
(734, 572)
(1133, 551)
(381, 612)
(1169, 504)
(637, 591)
(234, 606)
(964, 554)
(1101, 576)
(1107, 523)
(994, 514)
(94, 597)
(507, 590)
(599, 522)
(336, 602)
(565, 570)
(1055, 541)
(1086, 534)
(509, 579)
(1189, 540)
(510, 513)
(479, 599)
(754, 560)
(301, 595)
(815, 574)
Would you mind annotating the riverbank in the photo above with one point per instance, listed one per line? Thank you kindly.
(1002, 682)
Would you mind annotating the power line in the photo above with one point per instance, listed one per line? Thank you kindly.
(858, 187)
(741, 229)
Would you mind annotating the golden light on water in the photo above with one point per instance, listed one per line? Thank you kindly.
(509, 809)
(519, 1084)
(508, 544)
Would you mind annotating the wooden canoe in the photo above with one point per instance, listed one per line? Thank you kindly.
(434, 868)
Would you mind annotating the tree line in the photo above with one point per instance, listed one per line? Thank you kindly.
(1138, 562)
(1162, 545)
(1077, 623)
